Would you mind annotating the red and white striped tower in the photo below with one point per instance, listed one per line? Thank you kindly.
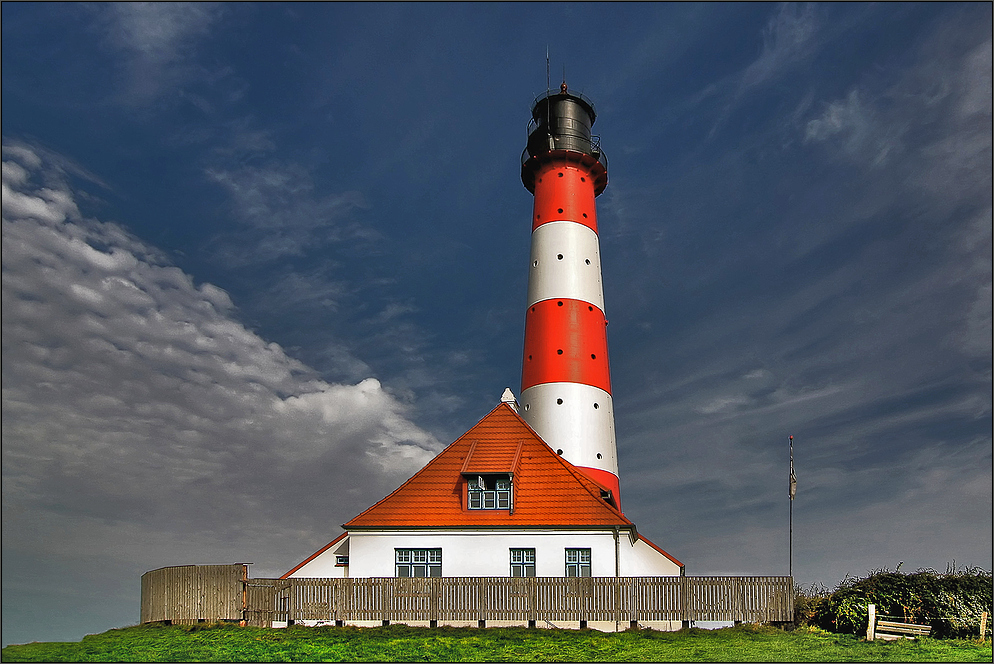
(565, 376)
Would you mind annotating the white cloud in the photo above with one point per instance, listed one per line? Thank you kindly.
(854, 125)
(940, 108)
(132, 395)
(937, 115)
(156, 42)
(788, 37)
(722, 404)
(161, 31)
(286, 217)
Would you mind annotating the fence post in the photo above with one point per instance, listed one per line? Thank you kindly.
(384, 601)
(482, 603)
(291, 603)
(533, 599)
(433, 601)
(871, 623)
(983, 625)
(739, 585)
(617, 603)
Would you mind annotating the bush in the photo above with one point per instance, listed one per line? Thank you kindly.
(951, 603)
(807, 604)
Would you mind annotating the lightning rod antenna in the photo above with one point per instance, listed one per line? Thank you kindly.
(548, 78)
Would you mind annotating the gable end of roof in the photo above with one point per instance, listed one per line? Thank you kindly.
(316, 554)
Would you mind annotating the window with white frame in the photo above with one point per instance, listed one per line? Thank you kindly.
(577, 562)
(522, 562)
(489, 492)
(418, 563)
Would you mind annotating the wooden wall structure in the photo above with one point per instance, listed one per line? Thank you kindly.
(208, 593)
(194, 593)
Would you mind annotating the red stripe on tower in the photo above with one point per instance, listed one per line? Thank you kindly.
(565, 341)
(565, 376)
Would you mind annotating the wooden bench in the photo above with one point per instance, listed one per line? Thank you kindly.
(889, 630)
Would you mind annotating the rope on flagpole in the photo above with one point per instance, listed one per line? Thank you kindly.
(792, 491)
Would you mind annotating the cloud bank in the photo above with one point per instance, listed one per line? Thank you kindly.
(133, 398)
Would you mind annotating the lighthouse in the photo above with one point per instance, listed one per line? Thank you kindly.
(565, 375)
(532, 488)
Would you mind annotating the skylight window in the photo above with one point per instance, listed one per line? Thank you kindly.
(489, 492)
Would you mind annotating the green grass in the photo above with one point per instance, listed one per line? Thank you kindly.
(397, 643)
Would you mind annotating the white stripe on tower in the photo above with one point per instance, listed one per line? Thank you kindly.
(565, 378)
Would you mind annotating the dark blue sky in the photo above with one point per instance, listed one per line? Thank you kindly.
(262, 261)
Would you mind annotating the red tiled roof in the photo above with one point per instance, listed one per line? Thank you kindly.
(547, 489)
(492, 456)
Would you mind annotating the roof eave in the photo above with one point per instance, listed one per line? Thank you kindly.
(607, 527)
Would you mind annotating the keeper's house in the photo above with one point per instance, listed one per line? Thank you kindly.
(497, 502)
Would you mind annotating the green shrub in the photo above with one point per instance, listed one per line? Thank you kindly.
(951, 603)
(807, 604)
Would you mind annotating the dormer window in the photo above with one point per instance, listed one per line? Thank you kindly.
(489, 492)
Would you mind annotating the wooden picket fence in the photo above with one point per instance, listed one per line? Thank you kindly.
(207, 593)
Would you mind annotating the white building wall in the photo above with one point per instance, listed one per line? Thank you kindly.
(643, 560)
(324, 564)
(481, 553)
(487, 553)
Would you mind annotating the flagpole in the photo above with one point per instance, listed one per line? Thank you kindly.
(792, 489)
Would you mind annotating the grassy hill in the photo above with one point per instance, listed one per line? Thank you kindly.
(397, 643)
